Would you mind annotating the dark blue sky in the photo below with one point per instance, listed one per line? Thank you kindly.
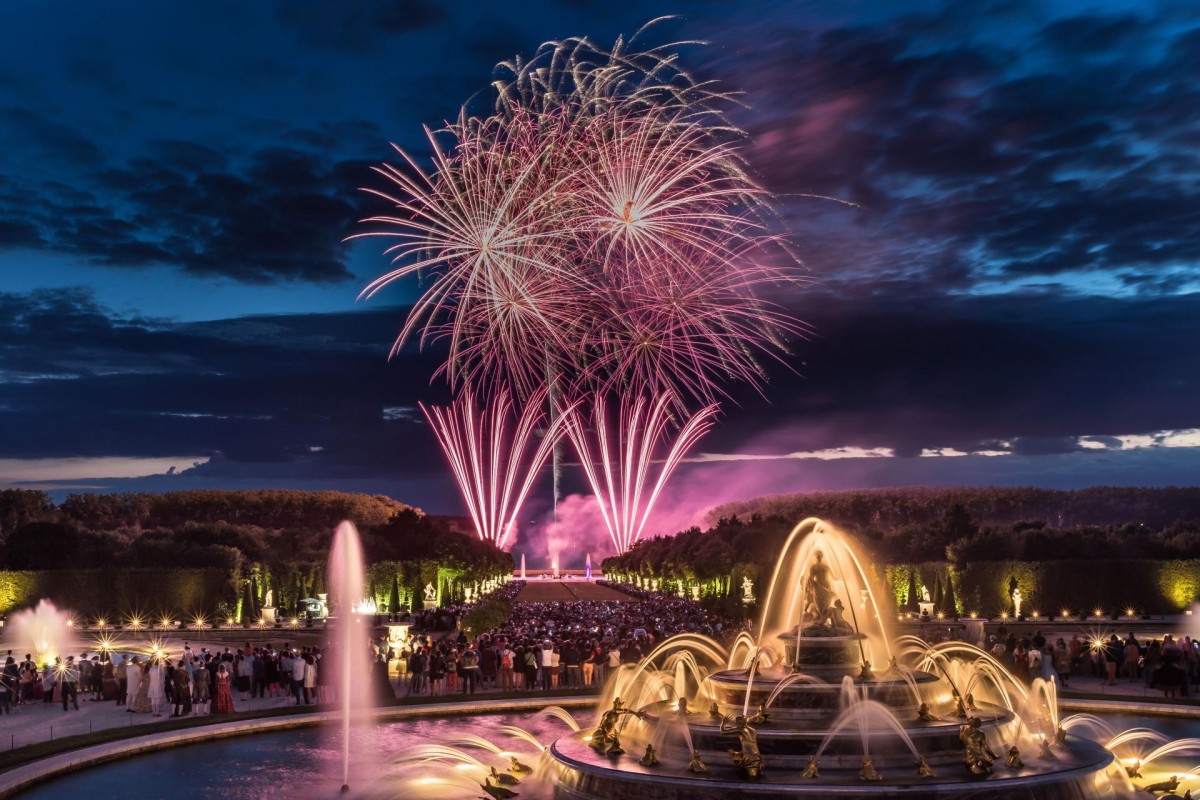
(1011, 298)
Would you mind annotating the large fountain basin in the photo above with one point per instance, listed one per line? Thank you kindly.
(1080, 773)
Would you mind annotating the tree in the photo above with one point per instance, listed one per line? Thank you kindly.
(949, 601)
(249, 612)
(394, 600)
(911, 602)
(937, 593)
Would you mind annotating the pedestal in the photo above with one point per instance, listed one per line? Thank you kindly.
(430, 604)
(268, 615)
(926, 609)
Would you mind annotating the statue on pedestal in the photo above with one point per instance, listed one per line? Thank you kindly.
(818, 590)
(1016, 598)
(747, 590)
(269, 600)
(430, 592)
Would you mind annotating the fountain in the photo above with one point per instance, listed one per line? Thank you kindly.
(825, 702)
(43, 629)
(346, 585)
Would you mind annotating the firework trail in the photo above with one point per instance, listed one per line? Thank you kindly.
(493, 456)
(620, 455)
(595, 235)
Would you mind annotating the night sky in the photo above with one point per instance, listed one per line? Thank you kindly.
(1004, 289)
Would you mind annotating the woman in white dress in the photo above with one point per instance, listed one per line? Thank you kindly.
(157, 693)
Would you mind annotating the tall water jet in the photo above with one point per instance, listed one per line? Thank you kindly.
(43, 629)
(522, 566)
(346, 589)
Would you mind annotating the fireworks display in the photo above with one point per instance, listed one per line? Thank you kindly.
(494, 457)
(596, 234)
(619, 456)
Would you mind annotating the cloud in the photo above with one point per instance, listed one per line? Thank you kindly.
(278, 215)
(356, 26)
(982, 154)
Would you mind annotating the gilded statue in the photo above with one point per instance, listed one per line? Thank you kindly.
(760, 716)
(818, 590)
(977, 755)
(923, 713)
(1169, 785)
(606, 738)
(746, 757)
(923, 768)
(517, 768)
(498, 792)
(650, 759)
(811, 770)
(503, 778)
(695, 764)
(867, 771)
(1014, 758)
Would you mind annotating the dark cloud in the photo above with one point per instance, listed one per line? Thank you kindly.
(1074, 154)
(357, 26)
(277, 215)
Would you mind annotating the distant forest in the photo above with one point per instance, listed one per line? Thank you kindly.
(219, 529)
(958, 525)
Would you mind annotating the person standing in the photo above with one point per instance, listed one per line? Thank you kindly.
(70, 683)
(224, 696)
(157, 693)
(132, 682)
(182, 691)
(298, 678)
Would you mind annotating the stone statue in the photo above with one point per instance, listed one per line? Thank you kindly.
(837, 620)
(695, 764)
(1014, 758)
(923, 768)
(606, 739)
(925, 595)
(977, 755)
(650, 759)
(867, 771)
(430, 592)
(747, 758)
(818, 590)
(811, 770)
(747, 589)
(1016, 598)
(269, 600)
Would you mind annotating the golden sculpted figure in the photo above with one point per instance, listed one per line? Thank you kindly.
(811, 770)
(923, 768)
(747, 758)
(977, 755)
(818, 590)
(606, 739)
(695, 764)
(868, 772)
(651, 757)
(1014, 758)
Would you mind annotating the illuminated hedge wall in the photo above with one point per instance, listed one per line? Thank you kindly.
(1149, 587)
(119, 591)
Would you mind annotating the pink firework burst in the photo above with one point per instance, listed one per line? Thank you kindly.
(628, 455)
(494, 456)
(599, 229)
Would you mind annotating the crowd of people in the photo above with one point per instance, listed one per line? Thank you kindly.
(549, 645)
(199, 682)
(1170, 664)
